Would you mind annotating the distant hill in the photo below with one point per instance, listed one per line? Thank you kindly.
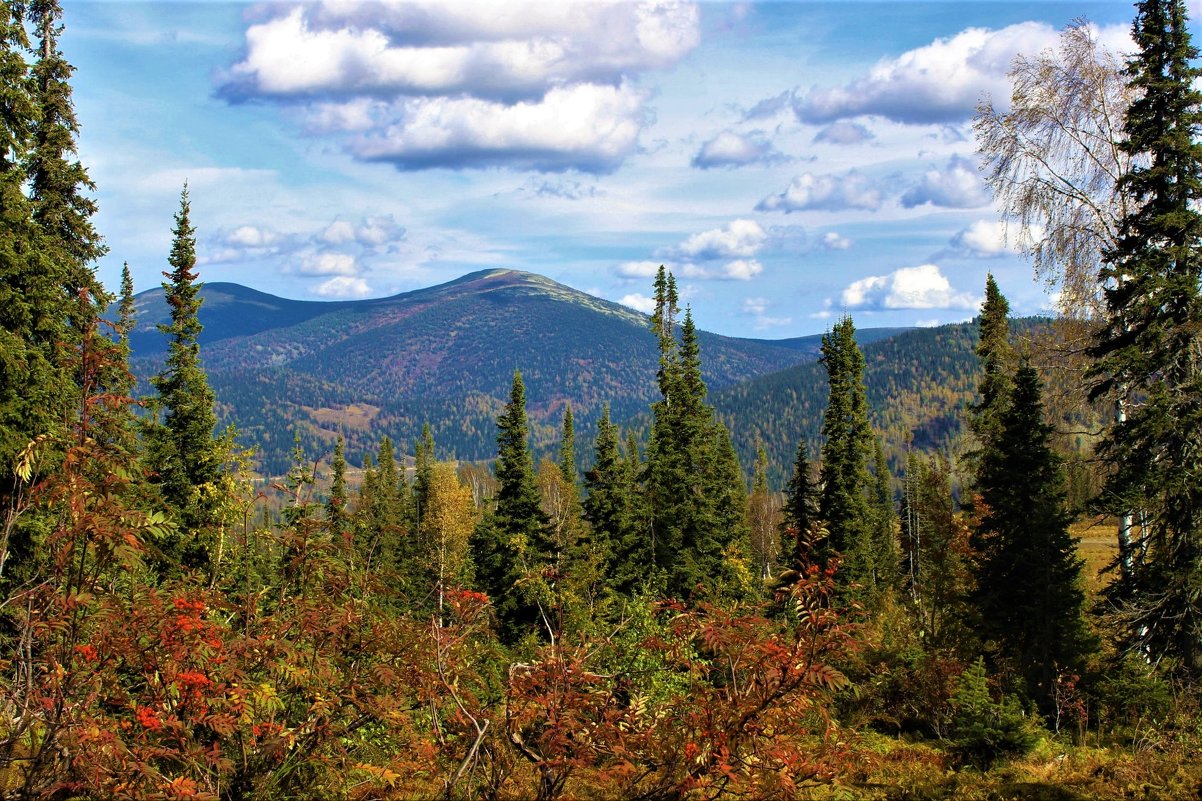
(443, 355)
(919, 385)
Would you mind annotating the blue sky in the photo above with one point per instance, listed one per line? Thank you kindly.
(789, 161)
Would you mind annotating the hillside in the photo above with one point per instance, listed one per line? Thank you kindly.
(919, 385)
(443, 355)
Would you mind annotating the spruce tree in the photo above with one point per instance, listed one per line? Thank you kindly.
(57, 181)
(799, 513)
(884, 522)
(1028, 573)
(1149, 351)
(996, 356)
(607, 508)
(696, 498)
(845, 501)
(337, 516)
(510, 546)
(567, 448)
(182, 453)
(423, 463)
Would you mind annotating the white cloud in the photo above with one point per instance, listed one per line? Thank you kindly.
(833, 240)
(930, 323)
(638, 302)
(939, 82)
(983, 239)
(739, 239)
(371, 232)
(343, 286)
(958, 185)
(638, 269)
(250, 236)
(844, 133)
(733, 149)
(942, 81)
(851, 190)
(327, 264)
(589, 127)
(516, 50)
(530, 85)
(739, 270)
(922, 287)
(338, 232)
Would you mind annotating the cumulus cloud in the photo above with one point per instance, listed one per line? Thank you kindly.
(327, 264)
(733, 149)
(833, 240)
(739, 239)
(957, 185)
(250, 236)
(531, 85)
(851, 190)
(371, 232)
(844, 133)
(984, 239)
(588, 127)
(638, 302)
(942, 81)
(638, 269)
(343, 286)
(922, 287)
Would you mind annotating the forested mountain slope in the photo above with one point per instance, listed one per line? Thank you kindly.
(443, 355)
(919, 384)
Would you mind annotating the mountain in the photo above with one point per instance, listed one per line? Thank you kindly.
(443, 355)
(919, 384)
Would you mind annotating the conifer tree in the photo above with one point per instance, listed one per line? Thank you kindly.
(337, 515)
(1028, 573)
(607, 507)
(845, 501)
(799, 513)
(567, 448)
(696, 499)
(181, 450)
(423, 463)
(57, 181)
(1149, 351)
(996, 356)
(510, 548)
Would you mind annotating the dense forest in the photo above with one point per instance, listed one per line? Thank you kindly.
(896, 607)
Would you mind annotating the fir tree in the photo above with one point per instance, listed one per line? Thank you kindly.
(423, 463)
(996, 355)
(567, 449)
(800, 513)
(1028, 572)
(607, 507)
(844, 504)
(884, 519)
(181, 450)
(510, 547)
(1149, 351)
(337, 516)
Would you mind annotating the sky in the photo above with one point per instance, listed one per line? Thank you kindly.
(789, 162)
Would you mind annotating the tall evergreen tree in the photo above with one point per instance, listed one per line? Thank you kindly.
(337, 515)
(57, 181)
(1028, 572)
(845, 501)
(1150, 349)
(997, 356)
(800, 513)
(181, 450)
(567, 448)
(510, 546)
(423, 463)
(695, 492)
(607, 507)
